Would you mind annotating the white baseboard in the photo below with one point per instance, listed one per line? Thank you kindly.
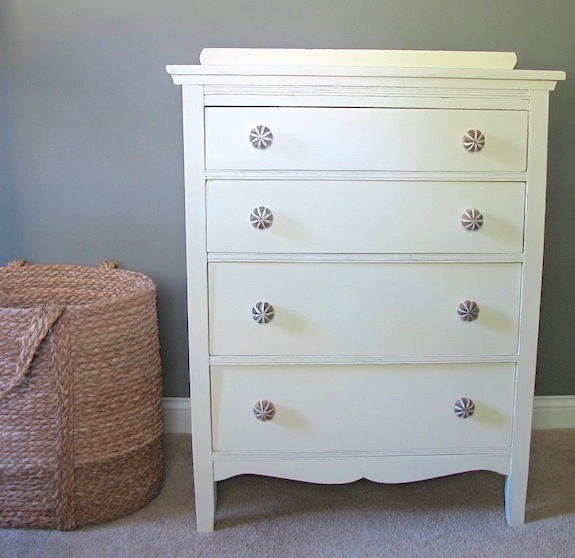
(177, 415)
(552, 411)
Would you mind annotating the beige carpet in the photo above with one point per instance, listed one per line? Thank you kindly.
(263, 517)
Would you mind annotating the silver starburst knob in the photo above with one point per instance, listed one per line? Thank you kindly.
(473, 140)
(261, 137)
(261, 217)
(472, 219)
(264, 410)
(468, 310)
(464, 407)
(263, 312)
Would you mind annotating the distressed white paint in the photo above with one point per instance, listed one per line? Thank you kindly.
(363, 127)
(371, 216)
(329, 409)
(330, 57)
(365, 139)
(349, 467)
(368, 309)
(204, 485)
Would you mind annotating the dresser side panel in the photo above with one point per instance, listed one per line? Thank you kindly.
(197, 287)
(516, 483)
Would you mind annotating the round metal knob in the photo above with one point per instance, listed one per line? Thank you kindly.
(261, 217)
(473, 140)
(261, 137)
(263, 312)
(464, 407)
(264, 410)
(468, 310)
(472, 219)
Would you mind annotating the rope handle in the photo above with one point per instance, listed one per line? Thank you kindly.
(39, 328)
(17, 263)
(106, 265)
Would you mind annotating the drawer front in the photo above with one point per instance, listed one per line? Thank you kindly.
(365, 217)
(402, 407)
(365, 139)
(363, 309)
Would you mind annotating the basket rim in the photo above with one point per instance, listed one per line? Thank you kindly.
(24, 265)
(136, 284)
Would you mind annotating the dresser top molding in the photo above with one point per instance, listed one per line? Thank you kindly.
(311, 63)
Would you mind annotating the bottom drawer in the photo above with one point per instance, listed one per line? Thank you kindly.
(369, 407)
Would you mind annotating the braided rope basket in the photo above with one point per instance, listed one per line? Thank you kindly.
(81, 422)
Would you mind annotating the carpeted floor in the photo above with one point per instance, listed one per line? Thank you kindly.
(261, 517)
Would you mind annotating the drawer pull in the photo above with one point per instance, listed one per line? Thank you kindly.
(263, 312)
(468, 310)
(472, 219)
(473, 141)
(464, 407)
(261, 137)
(264, 410)
(261, 217)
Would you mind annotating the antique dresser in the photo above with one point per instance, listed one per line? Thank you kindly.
(364, 254)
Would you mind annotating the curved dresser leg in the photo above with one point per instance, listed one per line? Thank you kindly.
(206, 498)
(515, 498)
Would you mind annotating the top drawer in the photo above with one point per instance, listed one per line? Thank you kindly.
(365, 139)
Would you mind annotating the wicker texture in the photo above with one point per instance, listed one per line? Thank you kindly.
(81, 421)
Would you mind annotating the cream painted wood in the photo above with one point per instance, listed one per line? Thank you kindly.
(377, 96)
(516, 481)
(378, 139)
(369, 216)
(365, 139)
(294, 76)
(369, 309)
(351, 466)
(367, 408)
(204, 484)
(341, 57)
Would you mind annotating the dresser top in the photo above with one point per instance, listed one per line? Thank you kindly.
(357, 58)
(233, 63)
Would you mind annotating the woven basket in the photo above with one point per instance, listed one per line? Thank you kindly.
(81, 423)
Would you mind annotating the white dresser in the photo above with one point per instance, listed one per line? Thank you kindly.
(364, 243)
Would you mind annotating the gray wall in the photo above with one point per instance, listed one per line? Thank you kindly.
(90, 143)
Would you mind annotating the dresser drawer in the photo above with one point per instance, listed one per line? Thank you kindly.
(383, 217)
(363, 309)
(403, 407)
(365, 139)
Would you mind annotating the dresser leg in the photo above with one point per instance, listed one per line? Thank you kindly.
(206, 498)
(515, 498)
